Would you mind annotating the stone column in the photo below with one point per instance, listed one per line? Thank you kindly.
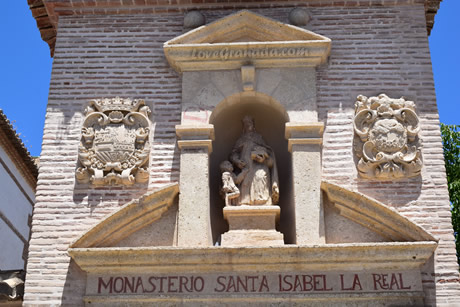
(304, 142)
(194, 220)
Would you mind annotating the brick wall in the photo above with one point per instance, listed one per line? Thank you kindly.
(385, 50)
(375, 49)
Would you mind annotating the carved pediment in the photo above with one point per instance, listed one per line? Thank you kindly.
(246, 38)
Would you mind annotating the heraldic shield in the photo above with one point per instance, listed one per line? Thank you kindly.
(114, 147)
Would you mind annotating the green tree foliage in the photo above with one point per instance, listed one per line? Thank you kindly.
(451, 142)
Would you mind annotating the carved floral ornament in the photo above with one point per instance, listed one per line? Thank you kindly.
(114, 147)
(388, 146)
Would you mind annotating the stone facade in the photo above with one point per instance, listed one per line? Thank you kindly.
(115, 50)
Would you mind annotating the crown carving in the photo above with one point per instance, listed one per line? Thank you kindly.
(116, 104)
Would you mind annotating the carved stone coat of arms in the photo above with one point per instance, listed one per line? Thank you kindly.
(114, 147)
(388, 146)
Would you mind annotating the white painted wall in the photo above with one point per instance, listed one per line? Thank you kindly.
(15, 208)
(11, 248)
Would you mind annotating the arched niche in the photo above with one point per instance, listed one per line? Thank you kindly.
(270, 119)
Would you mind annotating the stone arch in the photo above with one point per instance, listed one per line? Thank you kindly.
(270, 119)
(246, 98)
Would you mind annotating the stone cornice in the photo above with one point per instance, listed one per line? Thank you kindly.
(304, 130)
(245, 37)
(404, 255)
(195, 132)
(195, 136)
(304, 134)
(47, 12)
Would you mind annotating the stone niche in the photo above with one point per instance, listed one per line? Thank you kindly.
(249, 65)
(186, 244)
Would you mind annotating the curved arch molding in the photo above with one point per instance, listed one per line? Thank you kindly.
(374, 215)
(130, 218)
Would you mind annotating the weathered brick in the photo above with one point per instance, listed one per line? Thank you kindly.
(375, 49)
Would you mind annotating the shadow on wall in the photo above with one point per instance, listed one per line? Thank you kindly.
(270, 123)
(92, 197)
(429, 281)
(395, 193)
(74, 286)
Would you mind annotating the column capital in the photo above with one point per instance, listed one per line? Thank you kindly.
(298, 133)
(195, 132)
(195, 136)
(304, 130)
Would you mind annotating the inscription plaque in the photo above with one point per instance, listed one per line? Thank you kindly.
(255, 283)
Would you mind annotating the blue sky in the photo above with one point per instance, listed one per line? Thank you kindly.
(26, 68)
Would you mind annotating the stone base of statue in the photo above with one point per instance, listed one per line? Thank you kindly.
(252, 226)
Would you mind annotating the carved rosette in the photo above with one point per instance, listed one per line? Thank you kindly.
(388, 146)
(114, 147)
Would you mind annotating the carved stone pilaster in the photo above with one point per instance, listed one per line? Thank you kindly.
(114, 147)
(304, 143)
(388, 146)
(195, 143)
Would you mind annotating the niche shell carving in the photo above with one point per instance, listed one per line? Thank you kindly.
(114, 147)
(388, 146)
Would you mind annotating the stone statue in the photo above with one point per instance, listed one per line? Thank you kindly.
(229, 181)
(255, 163)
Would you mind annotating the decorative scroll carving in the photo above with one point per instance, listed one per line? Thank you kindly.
(388, 132)
(114, 147)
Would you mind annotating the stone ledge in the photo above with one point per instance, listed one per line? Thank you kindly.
(195, 132)
(304, 130)
(298, 141)
(194, 144)
(360, 256)
(296, 299)
(304, 134)
(251, 210)
(252, 237)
